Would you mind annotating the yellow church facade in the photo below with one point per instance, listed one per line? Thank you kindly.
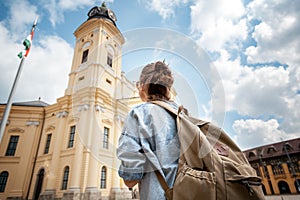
(67, 150)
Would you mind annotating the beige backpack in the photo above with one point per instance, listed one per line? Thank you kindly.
(211, 166)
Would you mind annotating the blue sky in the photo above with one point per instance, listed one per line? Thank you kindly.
(236, 62)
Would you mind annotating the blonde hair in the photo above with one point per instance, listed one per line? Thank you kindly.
(158, 80)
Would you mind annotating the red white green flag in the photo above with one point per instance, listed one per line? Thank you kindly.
(27, 43)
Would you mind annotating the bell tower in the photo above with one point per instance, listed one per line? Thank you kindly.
(98, 91)
(97, 54)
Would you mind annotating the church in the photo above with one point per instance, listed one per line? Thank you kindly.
(67, 150)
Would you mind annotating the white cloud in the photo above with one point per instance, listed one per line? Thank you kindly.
(253, 91)
(262, 92)
(277, 33)
(50, 57)
(218, 22)
(165, 8)
(56, 14)
(57, 8)
(21, 14)
(291, 121)
(253, 132)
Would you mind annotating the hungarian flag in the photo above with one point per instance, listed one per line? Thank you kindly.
(27, 44)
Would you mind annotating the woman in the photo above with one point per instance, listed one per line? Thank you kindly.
(149, 140)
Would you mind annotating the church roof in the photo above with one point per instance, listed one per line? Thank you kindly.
(37, 103)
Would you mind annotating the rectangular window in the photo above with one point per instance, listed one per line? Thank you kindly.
(12, 146)
(72, 136)
(85, 56)
(109, 59)
(105, 138)
(3, 180)
(47, 146)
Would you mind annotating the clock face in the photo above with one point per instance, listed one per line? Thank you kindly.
(111, 15)
(93, 12)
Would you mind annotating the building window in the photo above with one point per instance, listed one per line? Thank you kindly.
(284, 187)
(72, 136)
(277, 169)
(105, 138)
(47, 146)
(251, 154)
(3, 180)
(271, 150)
(65, 178)
(108, 81)
(103, 178)
(85, 56)
(109, 59)
(12, 146)
(39, 184)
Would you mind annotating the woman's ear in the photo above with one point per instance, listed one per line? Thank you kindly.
(143, 87)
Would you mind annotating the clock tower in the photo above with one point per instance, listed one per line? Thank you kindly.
(96, 100)
(97, 54)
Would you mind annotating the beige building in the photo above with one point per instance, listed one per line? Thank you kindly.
(67, 150)
(278, 165)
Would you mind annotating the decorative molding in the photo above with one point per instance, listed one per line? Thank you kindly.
(73, 120)
(62, 114)
(34, 123)
(86, 45)
(96, 30)
(99, 108)
(107, 121)
(83, 107)
(103, 32)
(50, 128)
(16, 130)
(119, 118)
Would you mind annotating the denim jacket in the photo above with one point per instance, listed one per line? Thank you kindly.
(149, 141)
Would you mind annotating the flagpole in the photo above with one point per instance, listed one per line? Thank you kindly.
(12, 92)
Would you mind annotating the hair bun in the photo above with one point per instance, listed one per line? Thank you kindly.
(157, 73)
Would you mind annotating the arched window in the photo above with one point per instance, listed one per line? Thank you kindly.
(103, 178)
(284, 187)
(65, 178)
(252, 154)
(3, 180)
(297, 185)
(39, 184)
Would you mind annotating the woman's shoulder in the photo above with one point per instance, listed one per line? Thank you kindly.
(149, 108)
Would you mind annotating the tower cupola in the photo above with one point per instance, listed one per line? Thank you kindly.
(102, 12)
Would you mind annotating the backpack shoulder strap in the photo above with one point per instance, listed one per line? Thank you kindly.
(168, 107)
(161, 180)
